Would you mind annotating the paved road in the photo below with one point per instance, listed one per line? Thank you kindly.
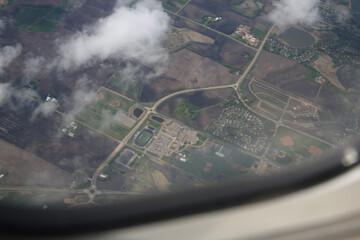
(118, 149)
(39, 189)
(148, 112)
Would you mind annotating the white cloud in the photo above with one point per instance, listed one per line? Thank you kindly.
(292, 12)
(135, 32)
(8, 54)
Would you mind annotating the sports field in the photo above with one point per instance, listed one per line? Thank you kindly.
(289, 145)
(144, 138)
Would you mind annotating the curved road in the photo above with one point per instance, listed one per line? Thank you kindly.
(138, 125)
(160, 101)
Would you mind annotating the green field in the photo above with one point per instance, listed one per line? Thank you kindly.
(144, 138)
(284, 160)
(187, 110)
(295, 145)
(39, 19)
(297, 38)
(173, 5)
(214, 168)
(98, 113)
(325, 116)
(260, 30)
(247, 8)
(113, 99)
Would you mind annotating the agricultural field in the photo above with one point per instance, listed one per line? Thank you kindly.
(197, 71)
(39, 19)
(108, 113)
(41, 200)
(290, 147)
(230, 20)
(226, 51)
(332, 100)
(247, 8)
(43, 137)
(182, 23)
(285, 74)
(325, 66)
(181, 37)
(349, 77)
(148, 176)
(160, 87)
(24, 168)
(207, 105)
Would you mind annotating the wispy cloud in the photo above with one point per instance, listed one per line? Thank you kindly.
(8, 54)
(45, 109)
(15, 98)
(83, 95)
(34, 65)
